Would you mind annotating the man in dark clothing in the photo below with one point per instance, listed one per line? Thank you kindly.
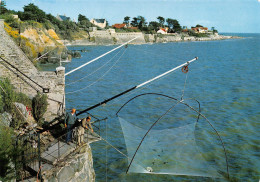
(69, 122)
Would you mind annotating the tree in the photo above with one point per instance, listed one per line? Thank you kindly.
(199, 25)
(126, 20)
(141, 22)
(82, 18)
(134, 22)
(153, 25)
(39, 106)
(173, 24)
(161, 20)
(3, 9)
(32, 12)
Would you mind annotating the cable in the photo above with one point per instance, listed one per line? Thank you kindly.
(100, 77)
(96, 69)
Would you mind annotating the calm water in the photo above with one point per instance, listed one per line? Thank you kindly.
(225, 79)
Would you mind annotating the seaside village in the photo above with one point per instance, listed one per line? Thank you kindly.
(127, 25)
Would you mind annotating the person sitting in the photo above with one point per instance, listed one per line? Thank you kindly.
(69, 122)
(85, 123)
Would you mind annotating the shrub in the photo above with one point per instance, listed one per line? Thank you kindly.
(8, 97)
(6, 152)
(39, 106)
(7, 94)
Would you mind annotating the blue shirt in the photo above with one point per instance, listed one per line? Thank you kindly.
(70, 119)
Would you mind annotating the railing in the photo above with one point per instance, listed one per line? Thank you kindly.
(56, 151)
(27, 158)
(32, 154)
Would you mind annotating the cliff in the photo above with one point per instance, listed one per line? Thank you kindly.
(77, 167)
(54, 81)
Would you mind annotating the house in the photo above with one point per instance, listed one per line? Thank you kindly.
(200, 29)
(163, 30)
(185, 30)
(102, 23)
(62, 17)
(118, 26)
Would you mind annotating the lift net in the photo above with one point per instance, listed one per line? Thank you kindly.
(171, 146)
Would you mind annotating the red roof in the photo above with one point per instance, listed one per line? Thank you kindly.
(163, 29)
(119, 25)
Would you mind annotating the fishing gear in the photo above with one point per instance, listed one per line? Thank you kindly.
(135, 87)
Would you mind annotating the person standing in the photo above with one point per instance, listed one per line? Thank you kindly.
(69, 122)
(85, 123)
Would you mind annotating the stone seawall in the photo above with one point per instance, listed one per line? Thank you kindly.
(54, 81)
(108, 37)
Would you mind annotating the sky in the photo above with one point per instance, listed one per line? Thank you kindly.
(232, 16)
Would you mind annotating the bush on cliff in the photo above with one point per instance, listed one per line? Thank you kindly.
(7, 99)
(39, 107)
(7, 153)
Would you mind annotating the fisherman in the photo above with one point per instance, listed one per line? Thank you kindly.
(85, 123)
(69, 122)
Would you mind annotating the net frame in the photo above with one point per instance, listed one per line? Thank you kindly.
(178, 102)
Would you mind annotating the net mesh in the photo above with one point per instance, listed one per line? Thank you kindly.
(175, 149)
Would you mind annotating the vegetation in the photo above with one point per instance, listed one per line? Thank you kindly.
(8, 98)
(7, 151)
(126, 20)
(39, 107)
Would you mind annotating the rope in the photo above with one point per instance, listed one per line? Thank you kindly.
(113, 147)
(106, 152)
(100, 77)
(184, 86)
(96, 69)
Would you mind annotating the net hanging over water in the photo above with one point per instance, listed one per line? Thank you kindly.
(170, 150)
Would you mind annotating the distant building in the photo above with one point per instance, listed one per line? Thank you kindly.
(62, 17)
(185, 30)
(102, 23)
(15, 17)
(200, 29)
(118, 26)
(163, 30)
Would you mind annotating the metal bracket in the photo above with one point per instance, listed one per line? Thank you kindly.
(46, 90)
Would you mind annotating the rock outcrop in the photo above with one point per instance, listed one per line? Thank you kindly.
(77, 167)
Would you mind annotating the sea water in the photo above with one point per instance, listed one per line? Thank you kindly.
(225, 79)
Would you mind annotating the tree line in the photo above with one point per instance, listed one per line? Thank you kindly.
(140, 22)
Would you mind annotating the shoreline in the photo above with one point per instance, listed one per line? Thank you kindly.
(109, 41)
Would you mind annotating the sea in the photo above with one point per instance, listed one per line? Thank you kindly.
(225, 80)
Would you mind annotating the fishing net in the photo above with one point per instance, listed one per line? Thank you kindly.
(179, 143)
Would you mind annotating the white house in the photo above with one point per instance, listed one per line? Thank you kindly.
(102, 23)
(163, 30)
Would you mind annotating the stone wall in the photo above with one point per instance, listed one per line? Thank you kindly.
(54, 81)
(77, 168)
(109, 37)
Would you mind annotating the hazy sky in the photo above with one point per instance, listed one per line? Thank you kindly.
(242, 16)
